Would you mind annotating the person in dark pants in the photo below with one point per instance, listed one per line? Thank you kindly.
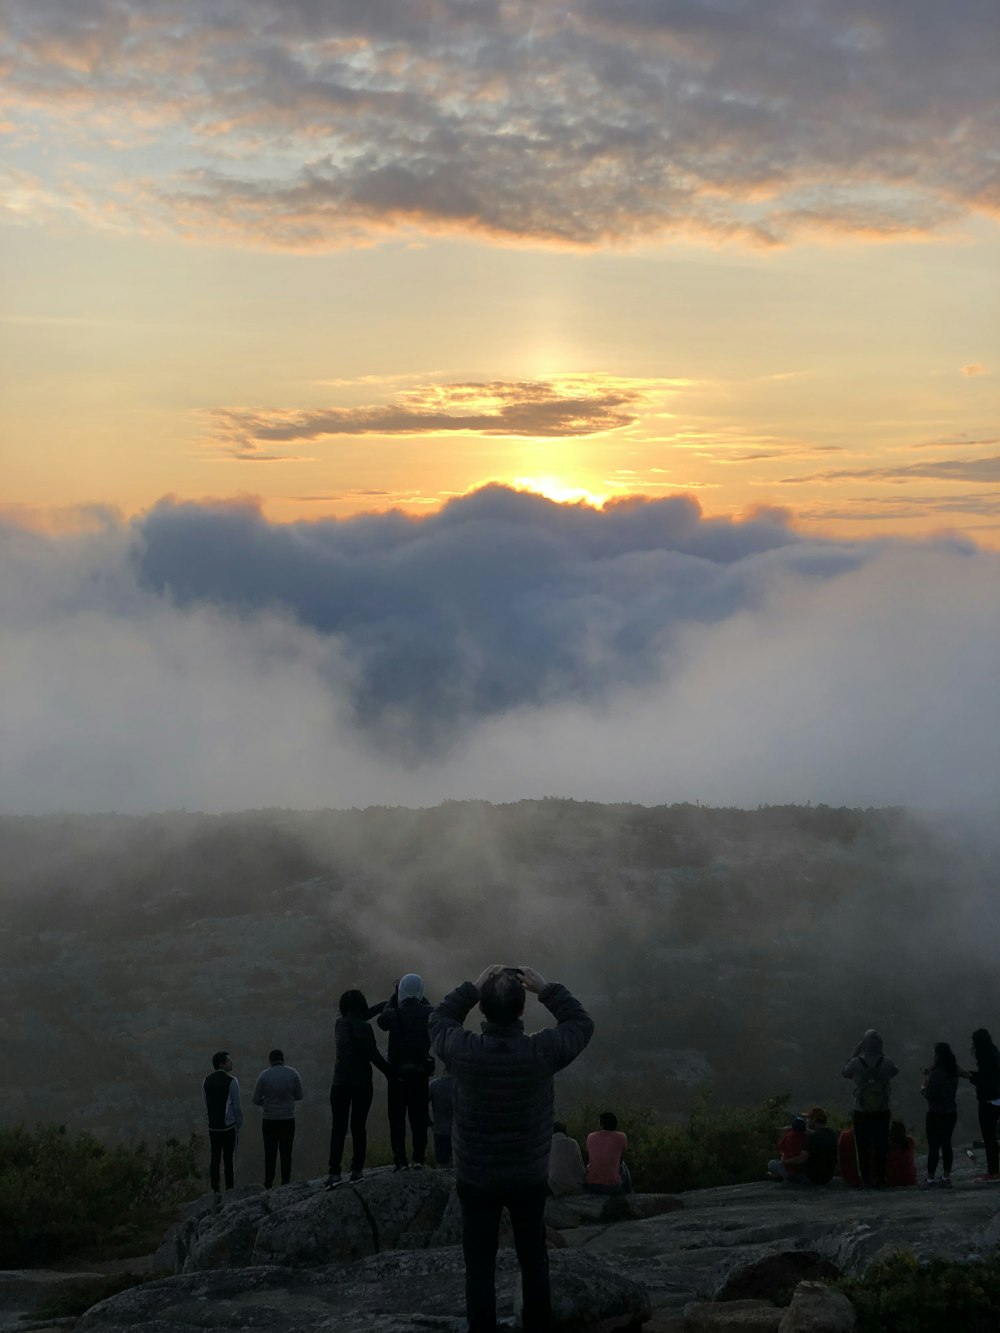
(276, 1091)
(872, 1072)
(502, 1127)
(405, 1017)
(985, 1078)
(441, 1093)
(225, 1116)
(351, 1091)
(940, 1088)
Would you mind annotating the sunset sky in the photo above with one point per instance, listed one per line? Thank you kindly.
(346, 255)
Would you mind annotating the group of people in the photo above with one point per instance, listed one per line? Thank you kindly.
(876, 1152)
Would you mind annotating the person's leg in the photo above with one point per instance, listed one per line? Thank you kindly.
(269, 1129)
(527, 1216)
(228, 1153)
(359, 1127)
(988, 1116)
(481, 1211)
(864, 1140)
(442, 1149)
(340, 1104)
(881, 1126)
(215, 1161)
(932, 1127)
(777, 1168)
(416, 1109)
(396, 1109)
(286, 1138)
(948, 1124)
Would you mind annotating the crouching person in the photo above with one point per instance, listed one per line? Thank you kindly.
(502, 1127)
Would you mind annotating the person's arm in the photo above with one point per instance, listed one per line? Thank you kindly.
(375, 1009)
(851, 1068)
(446, 1022)
(889, 1068)
(574, 1026)
(258, 1091)
(371, 1051)
(234, 1101)
(297, 1087)
(799, 1159)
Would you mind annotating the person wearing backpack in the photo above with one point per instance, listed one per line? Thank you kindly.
(872, 1071)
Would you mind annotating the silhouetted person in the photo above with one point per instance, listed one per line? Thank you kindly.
(985, 1078)
(816, 1162)
(441, 1094)
(502, 1131)
(605, 1147)
(566, 1168)
(941, 1089)
(901, 1162)
(872, 1072)
(225, 1116)
(351, 1091)
(405, 1019)
(791, 1143)
(276, 1091)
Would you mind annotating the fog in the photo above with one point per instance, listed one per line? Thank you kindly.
(201, 657)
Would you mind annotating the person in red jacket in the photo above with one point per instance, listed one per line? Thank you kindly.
(901, 1162)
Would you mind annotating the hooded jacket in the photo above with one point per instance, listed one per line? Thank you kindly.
(502, 1129)
(870, 1065)
(405, 1019)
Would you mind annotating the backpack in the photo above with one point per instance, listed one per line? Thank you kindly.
(873, 1091)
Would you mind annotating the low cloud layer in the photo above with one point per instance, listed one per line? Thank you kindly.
(505, 646)
(306, 125)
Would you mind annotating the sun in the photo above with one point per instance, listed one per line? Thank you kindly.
(554, 488)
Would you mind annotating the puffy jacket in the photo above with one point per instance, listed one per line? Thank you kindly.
(406, 1024)
(502, 1129)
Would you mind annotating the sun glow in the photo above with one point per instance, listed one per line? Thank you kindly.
(553, 488)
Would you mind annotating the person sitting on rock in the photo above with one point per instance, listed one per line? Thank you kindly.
(872, 1072)
(441, 1095)
(502, 1130)
(817, 1162)
(566, 1169)
(405, 1018)
(790, 1145)
(606, 1172)
(351, 1092)
(847, 1157)
(901, 1161)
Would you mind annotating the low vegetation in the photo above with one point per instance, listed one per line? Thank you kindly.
(67, 1194)
(900, 1294)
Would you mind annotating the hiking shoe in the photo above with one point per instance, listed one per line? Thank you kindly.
(930, 1183)
(416, 1166)
(991, 1178)
(946, 1183)
(333, 1181)
(355, 1176)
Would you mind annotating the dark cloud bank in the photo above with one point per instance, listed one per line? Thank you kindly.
(503, 647)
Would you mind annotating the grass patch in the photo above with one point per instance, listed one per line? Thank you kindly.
(900, 1294)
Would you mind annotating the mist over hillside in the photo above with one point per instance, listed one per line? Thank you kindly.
(741, 950)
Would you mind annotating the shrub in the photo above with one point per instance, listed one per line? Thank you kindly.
(723, 1145)
(61, 1194)
(900, 1294)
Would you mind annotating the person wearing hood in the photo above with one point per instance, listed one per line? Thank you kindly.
(872, 1072)
(410, 1066)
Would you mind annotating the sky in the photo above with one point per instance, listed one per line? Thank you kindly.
(476, 397)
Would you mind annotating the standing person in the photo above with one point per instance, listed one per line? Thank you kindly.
(441, 1093)
(940, 1088)
(225, 1116)
(872, 1072)
(276, 1091)
(405, 1018)
(502, 1131)
(566, 1169)
(986, 1080)
(351, 1091)
(605, 1147)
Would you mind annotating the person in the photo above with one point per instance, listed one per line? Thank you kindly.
(985, 1078)
(605, 1147)
(566, 1169)
(791, 1144)
(901, 1161)
(405, 1018)
(817, 1162)
(225, 1117)
(441, 1095)
(276, 1091)
(872, 1071)
(351, 1090)
(940, 1087)
(847, 1157)
(502, 1130)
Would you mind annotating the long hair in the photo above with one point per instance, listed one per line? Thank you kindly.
(982, 1045)
(944, 1058)
(353, 1004)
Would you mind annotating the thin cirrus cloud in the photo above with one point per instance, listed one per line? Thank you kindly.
(532, 408)
(307, 125)
(986, 470)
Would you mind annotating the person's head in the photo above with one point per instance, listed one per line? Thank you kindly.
(502, 998)
(897, 1134)
(944, 1058)
(982, 1043)
(871, 1044)
(558, 1127)
(221, 1060)
(411, 987)
(353, 1002)
(276, 1057)
(608, 1120)
(815, 1117)
(799, 1124)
